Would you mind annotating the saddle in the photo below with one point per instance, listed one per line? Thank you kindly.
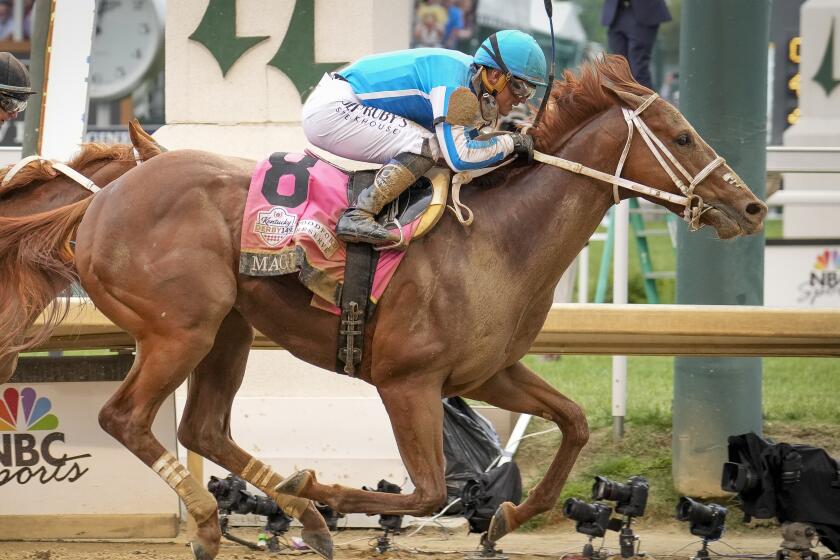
(294, 202)
(424, 199)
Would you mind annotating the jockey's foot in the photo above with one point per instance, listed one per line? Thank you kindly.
(359, 226)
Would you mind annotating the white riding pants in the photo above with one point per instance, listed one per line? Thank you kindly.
(335, 120)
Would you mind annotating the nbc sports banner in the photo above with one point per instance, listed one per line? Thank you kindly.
(55, 460)
(802, 273)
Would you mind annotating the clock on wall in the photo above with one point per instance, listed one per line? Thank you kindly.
(127, 39)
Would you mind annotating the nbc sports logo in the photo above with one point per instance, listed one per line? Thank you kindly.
(29, 443)
(25, 411)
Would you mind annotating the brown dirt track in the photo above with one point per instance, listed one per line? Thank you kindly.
(431, 544)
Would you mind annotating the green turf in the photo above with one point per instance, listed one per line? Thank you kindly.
(662, 256)
(799, 403)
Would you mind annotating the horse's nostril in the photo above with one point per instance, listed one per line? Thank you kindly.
(754, 208)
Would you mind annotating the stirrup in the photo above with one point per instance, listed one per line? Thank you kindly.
(399, 244)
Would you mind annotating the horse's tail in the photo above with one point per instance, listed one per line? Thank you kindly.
(37, 263)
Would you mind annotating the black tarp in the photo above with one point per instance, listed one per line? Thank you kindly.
(794, 483)
(471, 446)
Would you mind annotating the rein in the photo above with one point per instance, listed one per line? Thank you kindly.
(58, 166)
(694, 205)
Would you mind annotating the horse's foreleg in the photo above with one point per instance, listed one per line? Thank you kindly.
(205, 426)
(518, 389)
(163, 362)
(416, 415)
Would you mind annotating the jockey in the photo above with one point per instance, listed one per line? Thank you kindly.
(406, 109)
(14, 87)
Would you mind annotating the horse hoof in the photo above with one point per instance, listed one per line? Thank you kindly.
(296, 483)
(320, 542)
(198, 551)
(503, 522)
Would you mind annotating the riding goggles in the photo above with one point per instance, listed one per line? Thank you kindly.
(12, 104)
(521, 89)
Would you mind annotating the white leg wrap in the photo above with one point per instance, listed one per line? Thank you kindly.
(199, 502)
(260, 475)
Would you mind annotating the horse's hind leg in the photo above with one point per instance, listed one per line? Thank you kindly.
(416, 414)
(518, 389)
(205, 426)
(163, 362)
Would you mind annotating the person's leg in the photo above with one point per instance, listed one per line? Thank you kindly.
(617, 32)
(357, 224)
(336, 121)
(617, 41)
(641, 39)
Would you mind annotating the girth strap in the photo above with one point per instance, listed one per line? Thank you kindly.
(359, 268)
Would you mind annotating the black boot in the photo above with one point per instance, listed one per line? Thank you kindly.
(357, 224)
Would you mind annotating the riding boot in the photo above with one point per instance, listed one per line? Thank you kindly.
(357, 224)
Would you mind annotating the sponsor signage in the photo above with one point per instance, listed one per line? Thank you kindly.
(55, 458)
(802, 273)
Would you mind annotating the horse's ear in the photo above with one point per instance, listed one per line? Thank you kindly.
(623, 98)
(146, 146)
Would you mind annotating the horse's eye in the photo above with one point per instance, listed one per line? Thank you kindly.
(684, 139)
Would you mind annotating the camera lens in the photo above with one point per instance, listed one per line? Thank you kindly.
(264, 506)
(694, 512)
(605, 489)
(580, 510)
(738, 478)
(705, 520)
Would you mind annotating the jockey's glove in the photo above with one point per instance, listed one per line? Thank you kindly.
(523, 146)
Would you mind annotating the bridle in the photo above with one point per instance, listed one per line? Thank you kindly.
(693, 203)
(63, 168)
(58, 166)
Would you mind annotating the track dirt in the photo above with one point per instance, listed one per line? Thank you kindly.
(431, 544)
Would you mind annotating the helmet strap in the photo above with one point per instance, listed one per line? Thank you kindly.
(486, 95)
(493, 89)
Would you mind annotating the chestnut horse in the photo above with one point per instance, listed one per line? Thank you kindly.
(158, 253)
(40, 186)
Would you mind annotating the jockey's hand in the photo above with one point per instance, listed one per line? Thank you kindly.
(523, 146)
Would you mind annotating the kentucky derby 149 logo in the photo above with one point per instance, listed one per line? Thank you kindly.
(28, 456)
(276, 226)
(824, 279)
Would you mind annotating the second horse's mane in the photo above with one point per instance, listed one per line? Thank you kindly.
(42, 170)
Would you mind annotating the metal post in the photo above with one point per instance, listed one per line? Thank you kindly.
(621, 220)
(42, 14)
(723, 93)
(583, 275)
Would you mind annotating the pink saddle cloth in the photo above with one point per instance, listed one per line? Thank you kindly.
(294, 202)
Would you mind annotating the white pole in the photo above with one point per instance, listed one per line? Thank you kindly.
(17, 18)
(583, 274)
(619, 364)
(66, 83)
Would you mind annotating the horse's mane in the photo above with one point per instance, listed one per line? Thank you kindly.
(42, 170)
(575, 98)
(579, 96)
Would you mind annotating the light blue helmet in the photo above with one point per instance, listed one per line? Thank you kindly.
(513, 52)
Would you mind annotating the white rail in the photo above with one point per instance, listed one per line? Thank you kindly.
(803, 159)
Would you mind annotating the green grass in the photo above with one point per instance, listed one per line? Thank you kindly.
(799, 406)
(662, 256)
